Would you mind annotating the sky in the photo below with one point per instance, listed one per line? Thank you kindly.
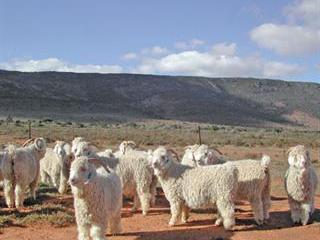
(277, 39)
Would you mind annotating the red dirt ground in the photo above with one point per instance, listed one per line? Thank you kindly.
(200, 227)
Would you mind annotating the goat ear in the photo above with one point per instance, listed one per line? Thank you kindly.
(308, 156)
(150, 155)
(67, 147)
(91, 174)
(290, 150)
(55, 149)
(40, 144)
(291, 160)
(122, 147)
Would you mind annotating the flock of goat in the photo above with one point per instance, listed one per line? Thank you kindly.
(203, 179)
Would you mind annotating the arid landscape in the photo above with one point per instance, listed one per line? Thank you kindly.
(51, 216)
(160, 120)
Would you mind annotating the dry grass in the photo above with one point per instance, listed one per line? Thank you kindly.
(178, 134)
(45, 210)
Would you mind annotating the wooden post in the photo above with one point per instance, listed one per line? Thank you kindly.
(73, 131)
(199, 134)
(29, 129)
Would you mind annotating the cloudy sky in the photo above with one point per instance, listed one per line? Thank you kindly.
(221, 38)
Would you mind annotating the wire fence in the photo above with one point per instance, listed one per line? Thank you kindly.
(145, 136)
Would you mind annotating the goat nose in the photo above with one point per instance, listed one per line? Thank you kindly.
(72, 181)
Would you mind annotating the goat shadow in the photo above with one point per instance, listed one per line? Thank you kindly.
(278, 220)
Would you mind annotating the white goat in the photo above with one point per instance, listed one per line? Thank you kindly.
(55, 166)
(301, 183)
(20, 169)
(124, 147)
(138, 180)
(254, 178)
(187, 187)
(200, 155)
(97, 199)
(75, 142)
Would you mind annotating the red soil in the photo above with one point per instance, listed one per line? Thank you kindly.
(200, 227)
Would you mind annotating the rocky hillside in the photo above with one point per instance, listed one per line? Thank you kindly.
(129, 97)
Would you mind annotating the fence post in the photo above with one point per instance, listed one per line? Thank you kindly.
(199, 135)
(73, 131)
(29, 129)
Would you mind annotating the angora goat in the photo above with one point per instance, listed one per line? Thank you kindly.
(186, 187)
(301, 183)
(55, 166)
(254, 178)
(97, 199)
(133, 168)
(20, 169)
(200, 155)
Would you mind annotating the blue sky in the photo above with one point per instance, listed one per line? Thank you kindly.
(270, 39)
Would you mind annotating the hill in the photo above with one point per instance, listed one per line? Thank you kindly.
(129, 97)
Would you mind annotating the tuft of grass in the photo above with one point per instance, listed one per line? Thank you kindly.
(54, 214)
(59, 218)
(6, 220)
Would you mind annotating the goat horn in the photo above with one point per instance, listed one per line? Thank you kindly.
(217, 150)
(26, 143)
(174, 153)
(99, 162)
(92, 144)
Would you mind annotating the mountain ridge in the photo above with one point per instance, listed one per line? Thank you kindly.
(128, 97)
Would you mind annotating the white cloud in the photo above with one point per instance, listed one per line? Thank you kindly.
(129, 56)
(189, 45)
(224, 49)
(300, 35)
(54, 64)
(286, 39)
(197, 42)
(155, 51)
(195, 63)
(279, 69)
(306, 11)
